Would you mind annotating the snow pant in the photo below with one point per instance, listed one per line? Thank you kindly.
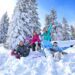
(42, 52)
(46, 44)
(52, 51)
(34, 46)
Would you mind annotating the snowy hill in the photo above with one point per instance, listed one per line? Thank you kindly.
(36, 64)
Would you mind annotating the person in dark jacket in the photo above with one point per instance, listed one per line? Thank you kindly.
(21, 50)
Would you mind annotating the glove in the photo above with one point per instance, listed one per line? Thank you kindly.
(71, 45)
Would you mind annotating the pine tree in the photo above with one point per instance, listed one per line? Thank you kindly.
(59, 32)
(56, 26)
(4, 28)
(47, 20)
(50, 18)
(73, 32)
(53, 15)
(34, 21)
(24, 19)
(66, 30)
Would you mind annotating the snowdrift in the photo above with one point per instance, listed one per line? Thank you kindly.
(36, 64)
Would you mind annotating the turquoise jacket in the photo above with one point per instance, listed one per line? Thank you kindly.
(47, 35)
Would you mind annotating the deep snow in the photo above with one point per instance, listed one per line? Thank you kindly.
(31, 65)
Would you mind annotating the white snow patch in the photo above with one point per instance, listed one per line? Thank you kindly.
(36, 64)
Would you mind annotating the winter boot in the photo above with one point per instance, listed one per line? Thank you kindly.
(13, 52)
(18, 56)
(64, 53)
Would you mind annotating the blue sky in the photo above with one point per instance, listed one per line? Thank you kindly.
(64, 8)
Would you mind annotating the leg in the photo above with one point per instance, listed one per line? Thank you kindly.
(43, 53)
(33, 47)
(52, 51)
(59, 55)
(39, 46)
(64, 53)
(18, 56)
(47, 52)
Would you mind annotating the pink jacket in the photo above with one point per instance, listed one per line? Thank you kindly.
(35, 39)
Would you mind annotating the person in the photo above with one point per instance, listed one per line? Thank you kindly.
(56, 48)
(35, 40)
(27, 40)
(46, 40)
(46, 37)
(21, 50)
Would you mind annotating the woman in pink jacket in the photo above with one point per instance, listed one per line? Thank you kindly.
(35, 39)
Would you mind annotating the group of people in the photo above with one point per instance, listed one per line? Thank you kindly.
(36, 43)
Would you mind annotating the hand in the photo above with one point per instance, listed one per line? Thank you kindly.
(71, 45)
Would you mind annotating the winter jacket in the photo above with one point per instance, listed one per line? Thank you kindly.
(23, 50)
(27, 39)
(60, 49)
(47, 35)
(35, 39)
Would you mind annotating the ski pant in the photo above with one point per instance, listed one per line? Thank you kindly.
(34, 46)
(46, 44)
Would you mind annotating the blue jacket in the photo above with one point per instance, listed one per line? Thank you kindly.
(47, 35)
(60, 49)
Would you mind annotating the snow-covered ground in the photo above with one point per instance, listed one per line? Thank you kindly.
(36, 64)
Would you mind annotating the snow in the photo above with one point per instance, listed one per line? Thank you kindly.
(36, 64)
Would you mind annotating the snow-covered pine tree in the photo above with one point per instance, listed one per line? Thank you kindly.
(4, 23)
(59, 32)
(34, 20)
(56, 26)
(22, 21)
(53, 15)
(47, 20)
(66, 30)
(73, 32)
(50, 17)
(53, 18)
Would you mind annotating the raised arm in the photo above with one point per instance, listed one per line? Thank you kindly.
(50, 28)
